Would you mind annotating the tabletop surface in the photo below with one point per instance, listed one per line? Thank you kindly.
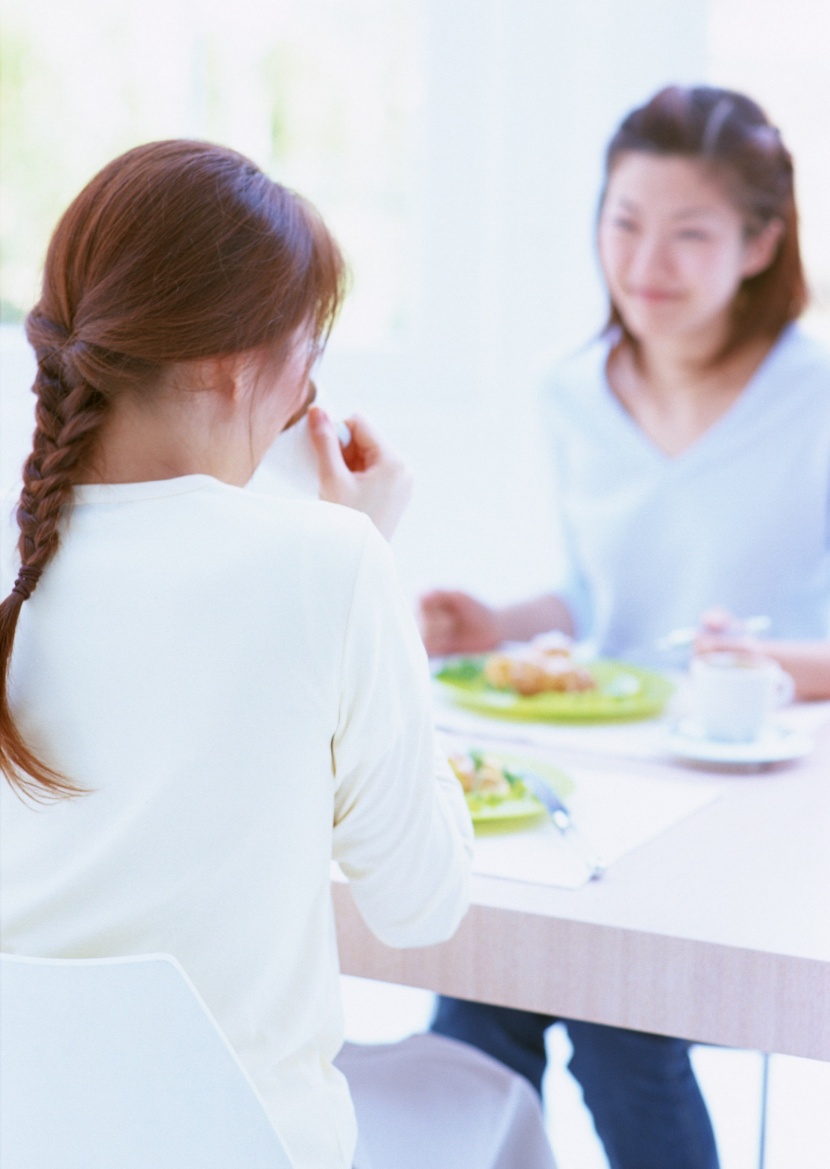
(751, 869)
(718, 929)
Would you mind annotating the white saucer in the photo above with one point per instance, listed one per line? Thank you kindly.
(775, 744)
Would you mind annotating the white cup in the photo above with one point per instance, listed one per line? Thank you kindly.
(290, 465)
(734, 693)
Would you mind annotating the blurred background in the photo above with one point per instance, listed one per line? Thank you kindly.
(455, 148)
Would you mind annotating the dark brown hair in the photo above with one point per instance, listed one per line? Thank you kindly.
(731, 135)
(176, 251)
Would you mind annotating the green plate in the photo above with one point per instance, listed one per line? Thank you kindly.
(517, 810)
(623, 692)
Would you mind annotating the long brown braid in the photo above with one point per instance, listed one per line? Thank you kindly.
(68, 414)
(175, 252)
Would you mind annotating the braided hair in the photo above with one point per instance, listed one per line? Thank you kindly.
(731, 136)
(174, 252)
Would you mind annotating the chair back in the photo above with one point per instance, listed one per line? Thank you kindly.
(116, 1063)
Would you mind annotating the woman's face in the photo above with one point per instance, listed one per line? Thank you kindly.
(673, 248)
(283, 400)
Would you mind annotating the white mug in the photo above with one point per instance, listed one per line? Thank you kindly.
(290, 465)
(734, 693)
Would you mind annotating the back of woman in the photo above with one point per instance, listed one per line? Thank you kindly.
(211, 694)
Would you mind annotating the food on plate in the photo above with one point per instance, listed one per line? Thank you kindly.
(496, 791)
(482, 774)
(553, 644)
(611, 691)
(544, 664)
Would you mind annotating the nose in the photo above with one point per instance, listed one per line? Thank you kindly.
(650, 259)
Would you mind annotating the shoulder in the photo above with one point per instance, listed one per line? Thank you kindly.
(799, 359)
(209, 521)
(303, 552)
(310, 526)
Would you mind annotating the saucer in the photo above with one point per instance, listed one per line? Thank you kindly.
(775, 744)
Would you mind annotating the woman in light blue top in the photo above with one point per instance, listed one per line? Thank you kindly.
(738, 518)
(692, 450)
(692, 440)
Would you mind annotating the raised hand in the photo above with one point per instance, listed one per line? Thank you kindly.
(367, 474)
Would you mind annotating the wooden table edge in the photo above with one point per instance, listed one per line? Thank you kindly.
(697, 990)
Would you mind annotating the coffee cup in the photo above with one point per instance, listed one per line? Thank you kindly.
(734, 693)
(290, 466)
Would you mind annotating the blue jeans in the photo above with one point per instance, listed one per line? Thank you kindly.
(645, 1100)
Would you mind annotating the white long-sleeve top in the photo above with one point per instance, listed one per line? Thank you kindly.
(740, 519)
(239, 684)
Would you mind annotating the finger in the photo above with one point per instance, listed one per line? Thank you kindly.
(368, 441)
(435, 599)
(437, 641)
(450, 598)
(716, 620)
(438, 620)
(715, 643)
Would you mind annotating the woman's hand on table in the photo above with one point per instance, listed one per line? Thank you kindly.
(368, 474)
(455, 622)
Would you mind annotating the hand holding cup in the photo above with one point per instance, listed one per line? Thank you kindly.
(367, 473)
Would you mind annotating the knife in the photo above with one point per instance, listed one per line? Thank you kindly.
(562, 820)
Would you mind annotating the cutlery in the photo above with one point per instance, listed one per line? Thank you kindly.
(562, 820)
(678, 638)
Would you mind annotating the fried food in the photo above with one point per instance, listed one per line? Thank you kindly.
(543, 665)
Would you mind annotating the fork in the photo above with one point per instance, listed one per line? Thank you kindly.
(563, 821)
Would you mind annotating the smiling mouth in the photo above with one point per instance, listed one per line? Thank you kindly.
(654, 295)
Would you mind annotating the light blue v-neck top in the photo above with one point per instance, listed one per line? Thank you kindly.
(741, 518)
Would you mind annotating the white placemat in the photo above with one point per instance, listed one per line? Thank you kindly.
(615, 812)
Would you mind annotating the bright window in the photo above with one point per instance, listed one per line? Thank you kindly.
(324, 94)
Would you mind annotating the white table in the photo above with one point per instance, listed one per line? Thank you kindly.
(717, 931)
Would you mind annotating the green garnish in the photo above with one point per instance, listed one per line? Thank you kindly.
(461, 670)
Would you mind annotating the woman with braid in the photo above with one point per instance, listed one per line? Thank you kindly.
(207, 693)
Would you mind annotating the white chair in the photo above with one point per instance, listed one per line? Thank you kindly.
(116, 1064)
(430, 1102)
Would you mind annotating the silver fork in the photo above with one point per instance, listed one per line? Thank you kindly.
(562, 820)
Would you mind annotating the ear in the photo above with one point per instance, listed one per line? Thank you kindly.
(761, 248)
(229, 376)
